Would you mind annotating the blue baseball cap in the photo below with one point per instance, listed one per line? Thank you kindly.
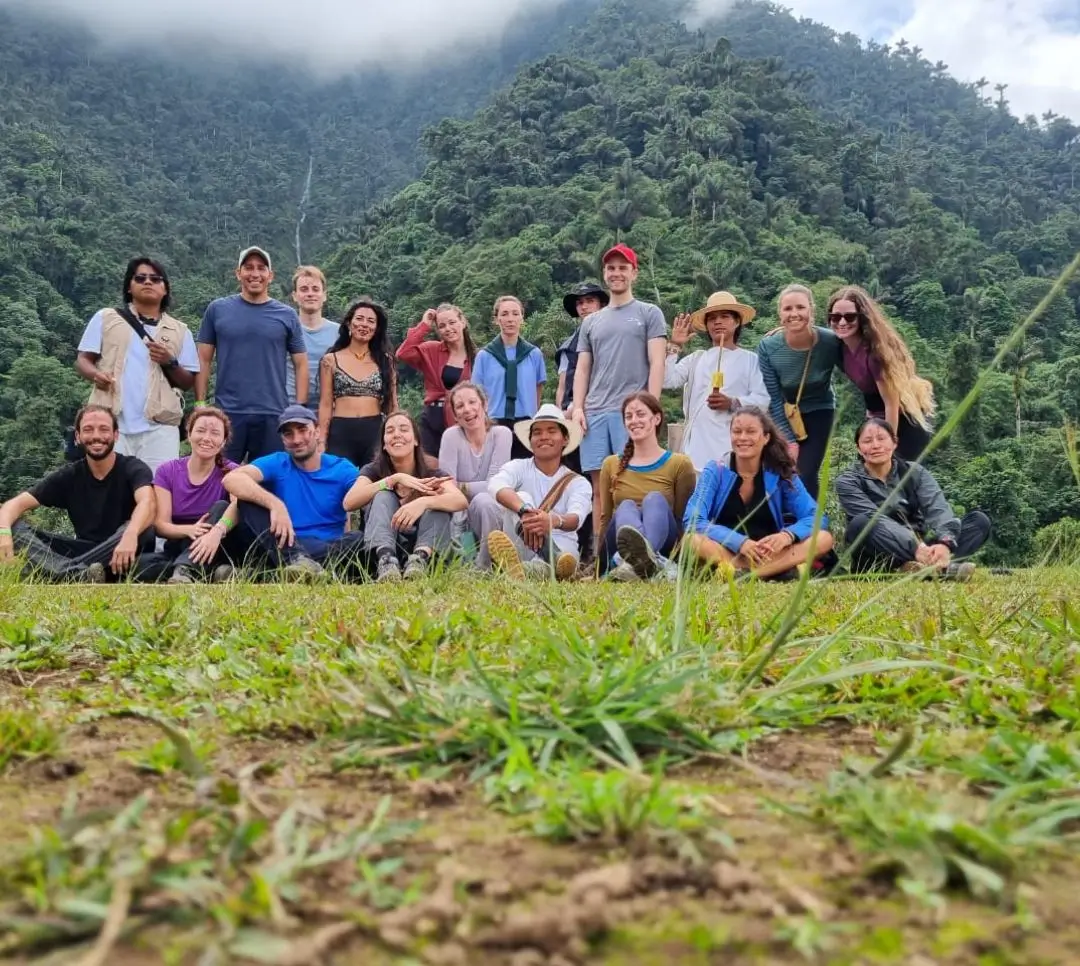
(295, 414)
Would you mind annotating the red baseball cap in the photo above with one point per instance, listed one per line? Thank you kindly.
(625, 250)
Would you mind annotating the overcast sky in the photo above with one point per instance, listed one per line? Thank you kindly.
(1031, 45)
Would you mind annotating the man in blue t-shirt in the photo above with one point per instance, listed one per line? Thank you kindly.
(291, 504)
(253, 336)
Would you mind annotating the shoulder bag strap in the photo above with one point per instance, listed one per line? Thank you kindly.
(806, 370)
(556, 492)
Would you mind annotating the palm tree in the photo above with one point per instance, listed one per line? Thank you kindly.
(619, 216)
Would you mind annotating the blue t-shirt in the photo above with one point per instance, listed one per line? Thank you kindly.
(489, 373)
(318, 342)
(253, 342)
(314, 498)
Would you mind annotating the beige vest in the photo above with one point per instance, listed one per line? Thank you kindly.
(164, 404)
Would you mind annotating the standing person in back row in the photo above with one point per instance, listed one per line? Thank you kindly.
(309, 294)
(511, 370)
(140, 361)
(253, 336)
(621, 350)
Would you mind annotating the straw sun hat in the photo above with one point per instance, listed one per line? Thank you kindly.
(722, 302)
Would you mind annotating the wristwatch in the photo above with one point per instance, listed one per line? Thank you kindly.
(523, 509)
(171, 364)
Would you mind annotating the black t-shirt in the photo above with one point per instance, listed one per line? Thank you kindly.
(753, 519)
(96, 508)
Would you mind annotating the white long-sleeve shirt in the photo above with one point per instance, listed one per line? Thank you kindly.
(707, 432)
(523, 476)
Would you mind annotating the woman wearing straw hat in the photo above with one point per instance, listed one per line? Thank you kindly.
(714, 381)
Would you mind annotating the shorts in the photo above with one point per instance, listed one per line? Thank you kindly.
(606, 437)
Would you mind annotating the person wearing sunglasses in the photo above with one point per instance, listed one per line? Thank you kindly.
(140, 361)
(876, 359)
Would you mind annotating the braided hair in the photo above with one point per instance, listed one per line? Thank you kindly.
(650, 402)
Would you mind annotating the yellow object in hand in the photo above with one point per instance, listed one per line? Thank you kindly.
(718, 380)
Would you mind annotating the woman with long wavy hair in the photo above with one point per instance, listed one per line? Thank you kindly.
(879, 363)
(357, 384)
(753, 513)
(643, 493)
(443, 362)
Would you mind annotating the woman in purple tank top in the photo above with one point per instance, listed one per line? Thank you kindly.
(194, 511)
(879, 363)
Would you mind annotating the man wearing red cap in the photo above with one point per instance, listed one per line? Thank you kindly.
(621, 349)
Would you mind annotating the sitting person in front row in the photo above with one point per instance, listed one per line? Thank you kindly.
(475, 449)
(916, 528)
(736, 516)
(109, 499)
(409, 503)
(194, 512)
(291, 504)
(643, 494)
(527, 522)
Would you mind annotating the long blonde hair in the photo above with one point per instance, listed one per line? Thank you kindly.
(891, 353)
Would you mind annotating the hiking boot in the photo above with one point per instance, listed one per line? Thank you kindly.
(182, 575)
(637, 552)
(416, 566)
(302, 570)
(565, 566)
(505, 557)
(94, 573)
(388, 570)
(223, 573)
(959, 571)
(536, 569)
(623, 573)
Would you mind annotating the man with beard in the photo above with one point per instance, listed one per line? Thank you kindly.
(109, 499)
(291, 504)
(527, 522)
(252, 335)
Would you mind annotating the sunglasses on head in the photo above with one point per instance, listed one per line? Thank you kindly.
(142, 277)
(850, 317)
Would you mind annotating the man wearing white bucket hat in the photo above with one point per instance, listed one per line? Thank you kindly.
(527, 522)
(714, 381)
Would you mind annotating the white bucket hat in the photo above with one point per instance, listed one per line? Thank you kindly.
(549, 413)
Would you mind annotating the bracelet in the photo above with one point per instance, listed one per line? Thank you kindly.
(224, 527)
(199, 403)
(5, 531)
(383, 485)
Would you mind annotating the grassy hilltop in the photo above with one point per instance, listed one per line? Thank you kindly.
(474, 772)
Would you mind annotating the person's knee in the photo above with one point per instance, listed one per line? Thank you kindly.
(654, 500)
(385, 500)
(824, 542)
(979, 521)
(856, 525)
(701, 545)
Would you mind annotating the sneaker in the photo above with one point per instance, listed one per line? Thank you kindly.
(94, 573)
(565, 566)
(637, 552)
(182, 575)
(302, 570)
(623, 573)
(416, 566)
(223, 573)
(388, 569)
(505, 557)
(959, 571)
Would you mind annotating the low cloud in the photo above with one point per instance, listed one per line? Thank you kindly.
(330, 37)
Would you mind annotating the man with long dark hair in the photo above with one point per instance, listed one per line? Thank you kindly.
(252, 336)
(140, 360)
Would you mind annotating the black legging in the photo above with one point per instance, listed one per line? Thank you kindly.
(356, 438)
(818, 424)
(432, 427)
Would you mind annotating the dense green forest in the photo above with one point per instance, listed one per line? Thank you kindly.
(753, 152)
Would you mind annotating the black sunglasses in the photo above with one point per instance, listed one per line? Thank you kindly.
(142, 277)
(849, 317)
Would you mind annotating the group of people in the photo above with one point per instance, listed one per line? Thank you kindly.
(304, 463)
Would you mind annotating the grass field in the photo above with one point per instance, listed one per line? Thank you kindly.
(471, 772)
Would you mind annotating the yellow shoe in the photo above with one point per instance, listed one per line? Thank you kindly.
(504, 555)
(723, 572)
(565, 566)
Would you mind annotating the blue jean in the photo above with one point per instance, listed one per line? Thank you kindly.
(253, 435)
(653, 518)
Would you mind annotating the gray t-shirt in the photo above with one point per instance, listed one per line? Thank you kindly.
(318, 342)
(618, 339)
(253, 343)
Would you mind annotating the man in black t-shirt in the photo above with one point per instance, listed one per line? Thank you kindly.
(109, 499)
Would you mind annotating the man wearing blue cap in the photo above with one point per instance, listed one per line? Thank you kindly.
(291, 503)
